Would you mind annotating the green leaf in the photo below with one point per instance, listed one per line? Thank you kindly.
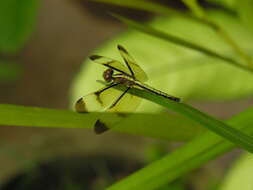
(178, 41)
(186, 158)
(17, 22)
(199, 15)
(167, 126)
(176, 70)
(240, 175)
(245, 11)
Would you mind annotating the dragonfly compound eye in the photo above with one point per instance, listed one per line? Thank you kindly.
(108, 75)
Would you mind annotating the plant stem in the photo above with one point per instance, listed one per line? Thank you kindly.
(199, 12)
(179, 41)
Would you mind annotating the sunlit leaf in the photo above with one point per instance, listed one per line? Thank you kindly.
(181, 42)
(245, 12)
(176, 70)
(240, 175)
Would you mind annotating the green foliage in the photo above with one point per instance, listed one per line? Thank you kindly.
(184, 56)
(206, 121)
(186, 158)
(168, 126)
(188, 74)
(178, 41)
(16, 21)
(199, 15)
(245, 11)
(50, 117)
(240, 175)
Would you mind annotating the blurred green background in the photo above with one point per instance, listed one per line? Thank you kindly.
(42, 47)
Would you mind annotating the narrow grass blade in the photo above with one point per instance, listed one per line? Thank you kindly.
(199, 16)
(220, 128)
(186, 158)
(197, 10)
(144, 6)
(167, 126)
(179, 41)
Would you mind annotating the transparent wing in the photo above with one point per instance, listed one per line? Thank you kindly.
(134, 68)
(102, 100)
(128, 103)
(111, 63)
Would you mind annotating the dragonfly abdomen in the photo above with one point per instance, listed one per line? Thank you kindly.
(157, 92)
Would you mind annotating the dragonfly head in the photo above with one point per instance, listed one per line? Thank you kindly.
(108, 75)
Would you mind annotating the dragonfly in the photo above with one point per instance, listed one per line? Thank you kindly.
(127, 75)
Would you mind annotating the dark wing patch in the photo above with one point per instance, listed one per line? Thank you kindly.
(100, 127)
(133, 68)
(112, 64)
(80, 106)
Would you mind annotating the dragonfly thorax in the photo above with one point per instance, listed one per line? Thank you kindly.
(107, 75)
(124, 80)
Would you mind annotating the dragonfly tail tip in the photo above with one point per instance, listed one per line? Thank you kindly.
(94, 57)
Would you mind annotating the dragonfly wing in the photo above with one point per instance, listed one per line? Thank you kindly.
(111, 63)
(128, 103)
(97, 101)
(102, 100)
(134, 68)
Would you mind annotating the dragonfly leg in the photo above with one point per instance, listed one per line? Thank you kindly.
(119, 98)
